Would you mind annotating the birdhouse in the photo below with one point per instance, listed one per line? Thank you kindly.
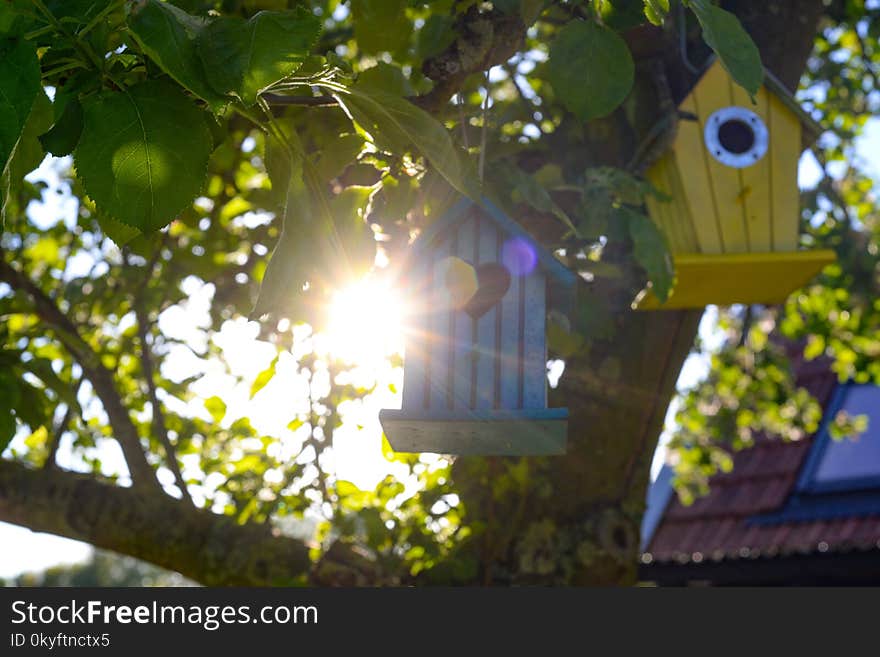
(733, 219)
(475, 366)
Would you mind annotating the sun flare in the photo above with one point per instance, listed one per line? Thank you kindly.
(364, 322)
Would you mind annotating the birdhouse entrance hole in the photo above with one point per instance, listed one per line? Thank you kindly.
(736, 137)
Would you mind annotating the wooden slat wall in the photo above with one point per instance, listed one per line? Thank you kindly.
(673, 215)
(754, 180)
(414, 382)
(711, 94)
(498, 361)
(534, 382)
(511, 338)
(785, 135)
(691, 161)
(439, 333)
(754, 209)
(486, 347)
(464, 327)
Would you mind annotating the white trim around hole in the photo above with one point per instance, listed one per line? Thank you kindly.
(760, 142)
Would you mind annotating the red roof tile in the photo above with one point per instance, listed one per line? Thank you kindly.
(716, 526)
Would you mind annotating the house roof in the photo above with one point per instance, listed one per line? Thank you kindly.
(812, 128)
(757, 511)
(562, 280)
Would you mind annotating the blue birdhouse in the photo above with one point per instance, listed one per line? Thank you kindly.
(475, 367)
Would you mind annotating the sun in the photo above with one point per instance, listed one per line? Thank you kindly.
(364, 322)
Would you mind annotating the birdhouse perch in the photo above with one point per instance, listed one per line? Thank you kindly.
(475, 367)
(733, 219)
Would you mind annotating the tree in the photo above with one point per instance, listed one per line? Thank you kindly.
(102, 569)
(205, 133)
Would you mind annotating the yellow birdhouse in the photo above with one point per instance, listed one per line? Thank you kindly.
(733, 219)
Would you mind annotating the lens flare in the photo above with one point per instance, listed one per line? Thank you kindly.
(519, 256)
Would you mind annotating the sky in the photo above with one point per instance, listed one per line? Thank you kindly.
(356, 454)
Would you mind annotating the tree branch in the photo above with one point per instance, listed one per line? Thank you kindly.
(146, 357)
(527, 103)
(209, 548)
(100, 377)
(59, 430)
(310, 101)
(158, 416)
(485, 39)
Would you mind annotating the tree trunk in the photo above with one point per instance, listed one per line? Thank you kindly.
(577, 520)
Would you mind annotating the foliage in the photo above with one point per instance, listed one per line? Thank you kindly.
(102, 569)
(205, 135)
(587, 46)
(751, 387)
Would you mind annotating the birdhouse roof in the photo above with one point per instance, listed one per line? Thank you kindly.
(562, 280)
(811, 128)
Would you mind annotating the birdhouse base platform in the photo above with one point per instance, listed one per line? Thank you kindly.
(478, 433)
(748, 278)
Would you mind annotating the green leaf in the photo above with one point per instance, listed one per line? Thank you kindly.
(529, 10)
(34, 409)
(506, 6)
(216, 407)
(10, 19)
(591, 69)
(396, 197)
(168, 36)
(244, 58)
(381, 25)
(723, 32)
(355, 236)
(143, 153)
(264, 377)
(284, 167)
(117, 231)
(64, 135)
(622, 185)
(621, 15)
(650, 250)
(436, 35)
(77, 11)
(533, 193)
(593, 314)
(81, 83)
(19, 86)
(27, 156)
(42, 369)
(561, 340)
(395, 121)
(7, 426)
(387, 78)
(656, 10)
(815, 346)
(338, 154)
(29, 153)
(287, 270)
(10, 396)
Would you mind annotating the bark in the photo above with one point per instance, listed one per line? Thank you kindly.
(209, 548)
